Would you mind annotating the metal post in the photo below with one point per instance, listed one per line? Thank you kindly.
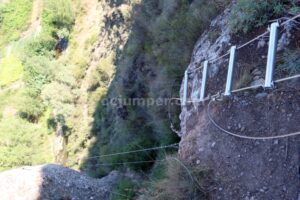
(230, 71)
(271, 55)
(185, 88)
(203, 83)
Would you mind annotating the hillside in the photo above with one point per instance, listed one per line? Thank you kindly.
(99, 86)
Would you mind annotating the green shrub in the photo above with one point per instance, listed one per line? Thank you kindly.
(295, 10)
(31, 108)
(99, 78)
(22, 143)
(176, 181)
(55, 93)
(37, 73)
(248, 14)
(63, 74)
(42, 46)
(125, 190)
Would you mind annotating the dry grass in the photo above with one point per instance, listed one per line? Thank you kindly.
(244, 80)
(179, 182)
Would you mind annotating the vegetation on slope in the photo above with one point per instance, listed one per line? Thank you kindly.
(29, 113)
(19, 143)
(14, 18)
(150, 66)
(247, 15)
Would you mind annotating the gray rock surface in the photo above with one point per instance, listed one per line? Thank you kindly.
(55, 182)
(206, 49)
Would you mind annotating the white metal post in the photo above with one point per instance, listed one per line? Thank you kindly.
(230, 71)
(185, 88)
(203, 83)
(271, 55)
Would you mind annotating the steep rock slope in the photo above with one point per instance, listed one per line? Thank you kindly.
(241, 168)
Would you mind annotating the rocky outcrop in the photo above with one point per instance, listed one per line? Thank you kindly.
(206, 49)
(49, 182)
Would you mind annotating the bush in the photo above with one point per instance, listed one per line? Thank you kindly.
(248, 14)
(125, 190)
(30, 108)
(22, 143)
(37, 73)
(98, 79)
(175, 181)
(56, 93)
(42, 46)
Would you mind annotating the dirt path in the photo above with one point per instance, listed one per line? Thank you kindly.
(35, 21)
(34, 28)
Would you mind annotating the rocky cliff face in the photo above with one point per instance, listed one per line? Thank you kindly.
(241, 168)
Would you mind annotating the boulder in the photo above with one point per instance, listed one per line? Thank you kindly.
(51, 181)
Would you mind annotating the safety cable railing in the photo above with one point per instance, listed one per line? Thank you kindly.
(135, 151)
(131, 152)
(216, 97)
(269, 82)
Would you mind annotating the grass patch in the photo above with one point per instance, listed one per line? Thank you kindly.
(91, 40)
(11, 70)
(291, 62)
(14, 18)
(57, 15)
(9, 98)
